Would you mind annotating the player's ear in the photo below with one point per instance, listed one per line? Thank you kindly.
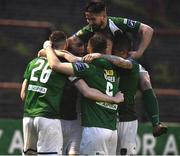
(89, 48)
(104, 14)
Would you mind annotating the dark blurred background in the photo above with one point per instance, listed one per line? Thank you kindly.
(25, 24)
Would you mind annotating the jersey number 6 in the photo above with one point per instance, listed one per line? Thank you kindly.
(109, 89)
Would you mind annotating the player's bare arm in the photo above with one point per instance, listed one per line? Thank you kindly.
(42, 52)
(97, 95)
(23, 89)
(63, 53)
(89, 57)
(116, 60)
(55, 64)
(146, 33)
(67, 55)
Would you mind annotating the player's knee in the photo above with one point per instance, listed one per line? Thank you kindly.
(145, 82)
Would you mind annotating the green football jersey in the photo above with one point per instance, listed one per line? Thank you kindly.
(114, 23)
(128, 85)
(44, 91)
(99, 74)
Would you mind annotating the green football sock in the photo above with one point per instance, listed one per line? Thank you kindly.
(151, 105)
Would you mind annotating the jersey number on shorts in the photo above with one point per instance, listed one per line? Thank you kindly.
(45, 74)
(109, 89)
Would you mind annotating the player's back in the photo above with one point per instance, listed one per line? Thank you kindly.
(129, 85)
(44, 91)
(100, 74)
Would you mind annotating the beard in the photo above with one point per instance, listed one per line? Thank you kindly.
(95, 26)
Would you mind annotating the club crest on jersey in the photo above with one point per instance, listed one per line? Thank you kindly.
(80, 66)
(109, 75)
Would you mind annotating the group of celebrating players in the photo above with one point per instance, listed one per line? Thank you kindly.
(101, 84)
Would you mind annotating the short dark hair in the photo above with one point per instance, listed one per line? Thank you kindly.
(98, 43)
(95, 7)
(122, 42)
(56, 37)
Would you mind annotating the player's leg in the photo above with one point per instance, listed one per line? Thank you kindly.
(149, 98)
(29, 136)
(151, 103)
(112, 143)
(127, 132)
(65, 132)
(72, 132)
(75, 138)
(96, 141)
(50, 139)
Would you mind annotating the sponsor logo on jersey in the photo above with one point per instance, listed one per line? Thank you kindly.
(80, 66)
(131, 23)
(109, 72)
(109, 75)
(107, 105)
(36, 88)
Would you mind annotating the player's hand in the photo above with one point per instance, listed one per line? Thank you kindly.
(119, 97)
(42, 53)
(135, 54)
(47, 44)
(89, 57)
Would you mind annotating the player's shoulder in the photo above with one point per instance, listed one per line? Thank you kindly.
(135, 64)
(101, 62)
(125, 21)
(84, 33)
(80, 66)
(85, 28)
(117, 19)
(33, 61)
